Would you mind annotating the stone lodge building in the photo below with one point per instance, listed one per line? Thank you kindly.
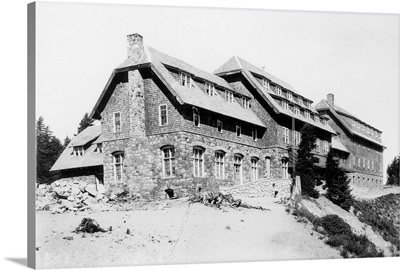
(361, 153)
(165, 123)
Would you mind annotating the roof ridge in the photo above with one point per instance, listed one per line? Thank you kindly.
(237, 60)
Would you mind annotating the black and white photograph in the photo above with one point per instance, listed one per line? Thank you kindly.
(168, 135)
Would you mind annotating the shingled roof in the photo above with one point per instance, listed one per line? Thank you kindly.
(236, 64)
(159, 62)
(86, 138)
(338, 112)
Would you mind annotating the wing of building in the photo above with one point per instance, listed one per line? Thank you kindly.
(166, 123)
(358, 144)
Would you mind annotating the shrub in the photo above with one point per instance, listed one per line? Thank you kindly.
(333, 224)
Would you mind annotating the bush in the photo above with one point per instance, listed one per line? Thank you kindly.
(333, 224)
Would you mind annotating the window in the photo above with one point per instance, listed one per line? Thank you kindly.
(354, 161)
(268, 167)
(368, 164)
(296, 110)
(78, 151)
(359, 162)
(254, 134)
(245, 103)
(186, 80)
(372, 165)
(307, 114)
(326, 147)
(196, 117)
(323, 121)
(254, 169)
(210, 89)
(285, 105)
(162, 112)
(266, 84)
(285, 135)
(118, 165)
(290, 96)
(297, 138)
(363, 162)
(317, 119)
(278, 90)
(318, 146)
(238, 130)
(219, 126)
(219, 165)
(238, 168)
(285, 168)
(229, 96)
(198, 162)
(307, 103)
(117, 122)
(168, 161)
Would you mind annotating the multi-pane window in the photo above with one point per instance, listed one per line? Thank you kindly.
(317, 119)
(238, 167)
(326, 147)
(307, 103)
(285, 105)
(359, 162)
(278, 90)
(296, 110)
(268, 167)
(254, 168)
(285, 135)
(210, 89)
(117, 122)
(219, 126)
(196, 117)
(118, 165)
(186, 80)
(285, 168)
(266, 84)
(198, 162)
(245, 103)
(229, 96)
(254, 134)
(168, 161)
(363, 162)
(318, 145)
(238, 130)
(307, 114)
(79, 151)
(368, 164)
(163, 117)
(219, 165)
(297, 138)
(290, 96)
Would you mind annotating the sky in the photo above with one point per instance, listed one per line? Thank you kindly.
(352, 55)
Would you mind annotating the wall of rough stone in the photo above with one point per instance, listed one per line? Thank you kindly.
(262, 188)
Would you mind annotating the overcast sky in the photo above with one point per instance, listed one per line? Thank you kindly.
(354, 56)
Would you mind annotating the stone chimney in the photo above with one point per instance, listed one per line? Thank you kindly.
(331, 99)
(135, 47)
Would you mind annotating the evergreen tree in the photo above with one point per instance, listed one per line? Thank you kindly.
(337, 183)
(85, 122)
(67, 140)
(393, 173)
(306, 160)
(48, 150)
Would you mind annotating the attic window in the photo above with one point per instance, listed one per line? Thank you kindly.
(285, 105)
(99, 148)
(78, 151)
(266, 84)
(186, 80)
(246, 103)
(210, 89)
(229, 96)
(278, 90)
(307, 115)
(290, 96)
(296, 110)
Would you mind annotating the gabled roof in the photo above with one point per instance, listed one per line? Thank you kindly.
(88, 134)
(159, 62)
(68, 160)
(337, 112)
(235, 64)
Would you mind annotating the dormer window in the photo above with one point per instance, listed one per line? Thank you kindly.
(307, 103)
(186, 80)
(229, 96)
(78, 151)
(210, 89)
(99, 148)
(246, 103)
(285, 105)
(196, 117)
(307, 114)
(317, 120)
(266, 84)
(290, 96)
(296, 110)
(278, 90)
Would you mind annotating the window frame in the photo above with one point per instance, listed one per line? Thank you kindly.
(186, 80)
(160, 115)
(210, 89)
(220, 125)
(285, 135)
(254, 134)
(268, 167)
(254, 168)
(219, 164)
(198, 161)
(238, 128)
(170, 159)
(120, 164)
(196, 112)
(115, 123)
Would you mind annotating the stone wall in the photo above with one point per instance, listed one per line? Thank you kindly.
(262, 188)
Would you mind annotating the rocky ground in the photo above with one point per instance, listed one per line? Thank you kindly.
(171, 231)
